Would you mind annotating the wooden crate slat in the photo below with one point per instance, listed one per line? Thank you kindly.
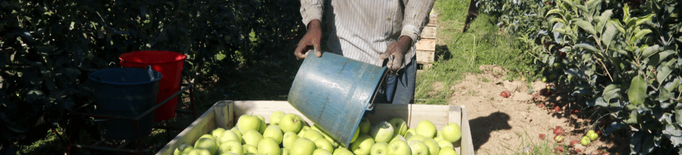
(426, 44)
(429, 32)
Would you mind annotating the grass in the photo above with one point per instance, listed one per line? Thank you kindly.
(462, 53)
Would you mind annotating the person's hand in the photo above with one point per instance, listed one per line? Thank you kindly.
(397, 50)
(311, 38)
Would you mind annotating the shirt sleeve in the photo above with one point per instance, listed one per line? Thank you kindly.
(311, 9)
(416, 17)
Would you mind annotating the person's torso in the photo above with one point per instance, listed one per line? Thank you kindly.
(363, 29)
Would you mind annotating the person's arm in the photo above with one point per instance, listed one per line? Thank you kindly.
(414, 20)
(311, 11)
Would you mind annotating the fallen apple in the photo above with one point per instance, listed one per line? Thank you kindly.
(558, 138)
(593, 136)
(585, 141)
(558, 130)
(542, 136)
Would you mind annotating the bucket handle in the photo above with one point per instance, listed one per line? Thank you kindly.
(376, 91)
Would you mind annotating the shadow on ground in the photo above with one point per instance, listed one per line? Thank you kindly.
(442, 53)
(485, 125)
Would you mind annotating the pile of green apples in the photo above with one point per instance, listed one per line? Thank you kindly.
(290, 134)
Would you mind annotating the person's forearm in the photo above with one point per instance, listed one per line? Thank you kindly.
(315, 24)
(311, 10)
(416, 13)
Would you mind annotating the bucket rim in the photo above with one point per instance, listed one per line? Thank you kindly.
(179, 57)
(93, 78)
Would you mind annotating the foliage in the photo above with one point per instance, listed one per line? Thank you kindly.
(618, 55)
(47, 48)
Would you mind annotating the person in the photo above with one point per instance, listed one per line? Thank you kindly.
(377, 32)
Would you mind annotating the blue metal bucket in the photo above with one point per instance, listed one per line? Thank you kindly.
(334, 92)
(125, 92)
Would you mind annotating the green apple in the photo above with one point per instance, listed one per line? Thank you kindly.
(200, 152)
(290, 123)
(231, 146)
(342, 151)
(419, 148)
(362, 145)
(218, 132)
(262, 124)
(439, 135)
(399, 147)
(248, 122)
(289, 139)
(397, 137)
(585, 141)
(399, 125)
(382, 132)
(184, 147)
(252, 137)
(209, 144)
(322, 143)
(432, 145)
(313, 135)
(207, 136)
(444, 143)
(303, 146)
(364, 126)
(447, 151)
(250, 149)
(274, 132)
(327, 137)
(268, 146)
(416, 138)
(303, 130)
(236, 131)
(426, 129)
(410, 132)
(227, 136)
(321, 152)
(355, 135)
(452, 132)
(379, 148)
(592, 135)
(275, 117)
(285, 151)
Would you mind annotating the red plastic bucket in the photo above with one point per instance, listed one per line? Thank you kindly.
(169, 64)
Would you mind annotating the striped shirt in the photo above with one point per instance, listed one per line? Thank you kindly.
(363, 29)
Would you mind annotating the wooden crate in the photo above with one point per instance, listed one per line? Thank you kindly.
(225, 113)
(425, 58)
(426, 45)
(433, 18)
(429, 32)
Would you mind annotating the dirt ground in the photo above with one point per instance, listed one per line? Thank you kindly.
(508, 125)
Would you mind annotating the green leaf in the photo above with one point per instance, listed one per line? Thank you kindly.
(664, 95)
(611, 91)
(587, 26)
(639, 35)
(568, 4)
(608, 35)
(663, 73)
(555, 11)
(674, 134)
(637, 91)
(553, 20)
(623, 52)
(634, 117)
(618, 26)
(587, 47)
(650, 51)
(603, 19)
(626, 13)
(644, 19)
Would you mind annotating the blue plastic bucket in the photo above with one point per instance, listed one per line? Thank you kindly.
(125, 92)
(334, 92)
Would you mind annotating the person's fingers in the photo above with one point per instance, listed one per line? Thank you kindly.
(318, 51)
(299, 51)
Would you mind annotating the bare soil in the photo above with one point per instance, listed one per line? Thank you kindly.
(502, 125)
